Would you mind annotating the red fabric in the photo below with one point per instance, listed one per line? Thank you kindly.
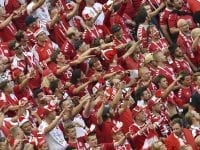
(4, 50)
(104, 134)
(8, 32)
(97, 31)
(164, 16)
(45, 51)
(68, 50)
(25, 92)
(167, 71)
(58, 31)
(79, 144)
(132, 7)
(172, 143)
(173, 18)
(181, 65)
(185, 94)
(159, 45)
(194, 5)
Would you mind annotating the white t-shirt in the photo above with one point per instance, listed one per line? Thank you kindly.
(41, 13)
(55, 138)
(92, 11)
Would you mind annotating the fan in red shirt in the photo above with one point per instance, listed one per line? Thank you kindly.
(68, 48)
(142, 134)
(94, 31)
(163, 20)
(44, 47)
(179, 12)
(7, 28)
(186, 89)
(185, 41)
(163, 68)
(73, 141)
(166, 93)
(179, 63)
(196, 43)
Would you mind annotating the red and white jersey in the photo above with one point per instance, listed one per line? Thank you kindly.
(185, 43)
(174, 17)
(158, 45)
(19, 63)
(142, 35)
(68, 50)
(4, 51)
(153, 3)
(124, 40)
(166, 71)
(79, 144)
(76, 21)
(97, 31)
(43, 52)
(8, 32)
(164, 16)
(58, 31)
(143, 140)
(185, 93)
(181, 65)
(162, 123)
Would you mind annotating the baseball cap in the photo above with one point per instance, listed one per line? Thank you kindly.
(29, 20)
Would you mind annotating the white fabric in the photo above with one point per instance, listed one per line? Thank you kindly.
(41, 13)
(55, 138)
(92, 11)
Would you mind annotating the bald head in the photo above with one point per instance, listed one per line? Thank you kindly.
(183, 25)
(181, 22)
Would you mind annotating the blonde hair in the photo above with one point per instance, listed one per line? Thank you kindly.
(195, 32)
(45, 82)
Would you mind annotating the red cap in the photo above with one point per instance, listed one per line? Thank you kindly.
(136, 110)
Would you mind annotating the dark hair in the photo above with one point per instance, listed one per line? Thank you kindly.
(183, 75)
(76, 74)
(139, 92)
(158, 79)
(54, 85)
(115, 28)
(92, 61)
(19, 35)
(36, 92)
(196, 16)
(77, 44)
(172, 48)
(54, 55)
(141, 16)
(177, 121)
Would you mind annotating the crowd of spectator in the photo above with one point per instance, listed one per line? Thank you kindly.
(104, 74)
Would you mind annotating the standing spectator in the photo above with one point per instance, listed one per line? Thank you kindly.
(180, 136)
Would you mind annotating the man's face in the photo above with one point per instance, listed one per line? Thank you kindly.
(145, 74)
(92, 141)
(26, 127)
(177, 129)
(146, 95)
(177, 4)
(141, 116)
(187, 81)
(42, 37)
(97, 65)
(163, 83)
(178, 52)
(71, 132)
